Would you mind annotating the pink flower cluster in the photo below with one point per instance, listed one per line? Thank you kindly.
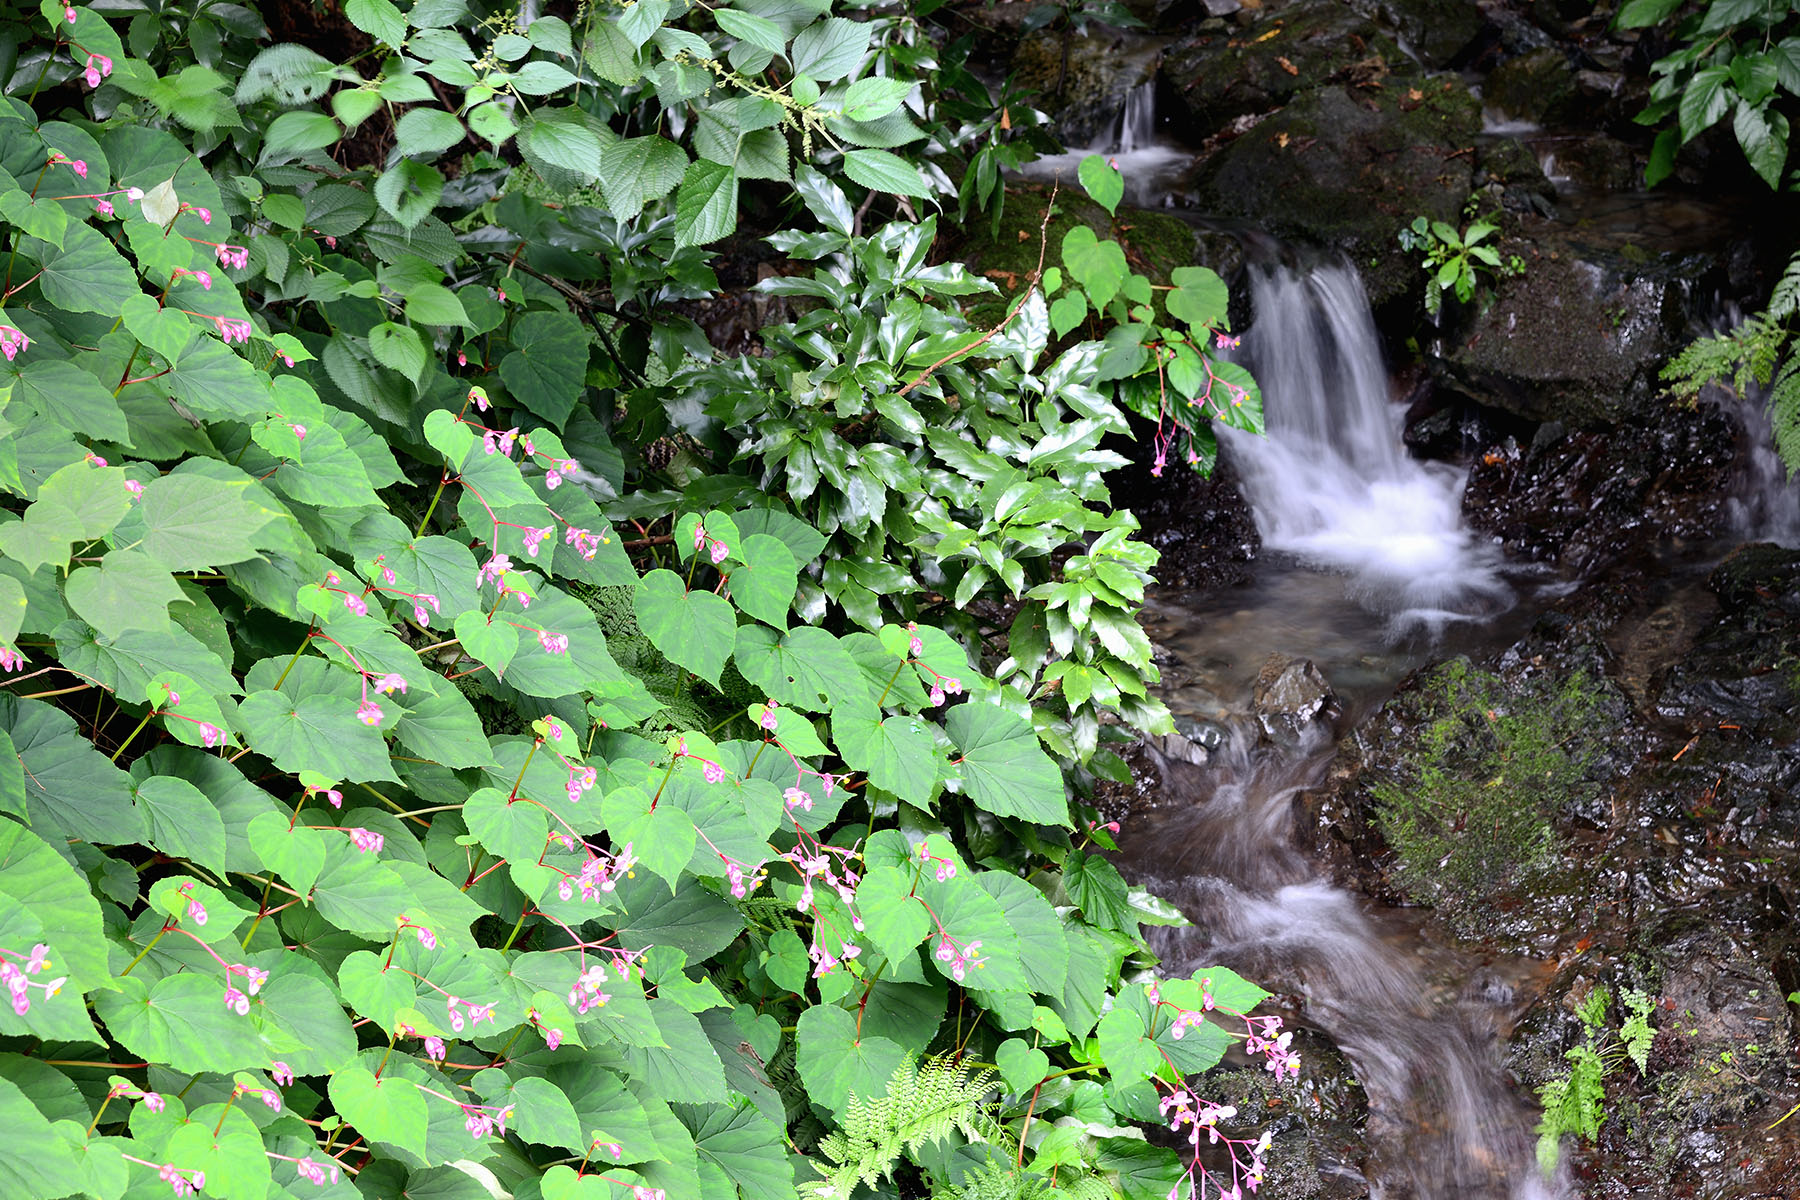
(235, 257)
(13, 342)
(233, 331)
(960, 958)
(98, 67)
(365, 840)
(10, 658)
(586, 544)
(716, 549)
(477, 1013)
(600, 873)
(18, 980)
(483, 1120)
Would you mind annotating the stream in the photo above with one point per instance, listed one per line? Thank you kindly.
(1367, 571)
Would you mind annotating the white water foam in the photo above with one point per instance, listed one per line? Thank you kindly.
(1331, 482)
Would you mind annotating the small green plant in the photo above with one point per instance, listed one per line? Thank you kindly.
(1494, 765)
(1574, 1102)
(1456, 260)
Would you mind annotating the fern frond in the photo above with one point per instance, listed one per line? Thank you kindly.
(923, 1103)
(1784, 415)
(998, 1180)
(1785, 299)
(1743, 355)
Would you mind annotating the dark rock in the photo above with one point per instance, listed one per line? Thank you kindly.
(1537, 86)
(1081, 80)
(1440, 32)
(1506, 165)
(1290, 693)
(1285, 51)
(1745, 671)
(1348, 168)
(1594, 496)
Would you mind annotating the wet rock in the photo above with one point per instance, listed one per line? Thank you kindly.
(1347, 168)
(1538, 86)
(1584, 499)
(1440, 32)
(1290, 693)
(1505, 165)
(1286, 50)
(1745, 670)
(1081, 80)
(1202, 527)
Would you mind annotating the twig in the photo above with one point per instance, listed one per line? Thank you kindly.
(1030, 287)
(593, 316)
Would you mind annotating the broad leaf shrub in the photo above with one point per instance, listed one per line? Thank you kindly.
(409, 787)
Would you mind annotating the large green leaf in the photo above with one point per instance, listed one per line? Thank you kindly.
(764, 584)
(635, 171)
(835, 1064)
(316, 733)
(193, 521)
(37, 880)
(71, 789)
(1004, 769)
(706, 203)
(897, 752)
(181, 1021)
(388, 1110)
(806, 668)
(62, 392)
(1098, 266)
(86, 275)
(693, 628)
(183, 822)
(547, 369)
(745, 1145)
(42, 1165)
(128, 590)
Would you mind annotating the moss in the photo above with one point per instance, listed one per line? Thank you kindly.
(1495, 761)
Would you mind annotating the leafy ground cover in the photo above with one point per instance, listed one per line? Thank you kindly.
(462, 736)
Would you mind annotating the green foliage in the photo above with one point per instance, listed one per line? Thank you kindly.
(1495, 763)
(1455, 260)
(1158, 343)
(452, 709)
(1575, 1102)
(1739, 59)
(921, 1104)
(1751, 355)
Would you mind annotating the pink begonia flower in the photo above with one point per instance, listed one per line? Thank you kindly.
(69, 13)
(553, 1039)
(154, 1102)
(552, 480)
(718, 552)
(356, 604)
(937, 695)
(196, 911)
(236, 257)
(427, 938)
(134, 487)
(366, 840)
(10, 659)
(12, 341)
(282, 1073)
(257, 978)
(768, 719)
(79, 167)
(434, 1049)
(387, 683)
(204, 278)
(369, 713)
(797, 799)
(533, 538)
(272, 1098)
(554, 643)
(236, 1001)
(336, 797)
(713, 772)
(103, 207)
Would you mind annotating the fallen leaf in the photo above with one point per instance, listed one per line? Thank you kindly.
(1287, 66)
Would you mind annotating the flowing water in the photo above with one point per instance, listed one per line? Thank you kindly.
(1367, 570)
(1151, 162)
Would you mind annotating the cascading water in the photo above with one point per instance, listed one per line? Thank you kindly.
(1136, 129)
(1443, 1124)
(1767, 505)
(1333, 489)
(1331, 482)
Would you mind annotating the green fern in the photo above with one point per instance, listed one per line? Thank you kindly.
(1573, 1103)
(1750, 354)
(923, 1104)
(1635, 1033)
(1000, 1179)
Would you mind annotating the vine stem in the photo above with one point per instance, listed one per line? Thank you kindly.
(147, 949)
(127, 742)
(298, 651)
(443, 480)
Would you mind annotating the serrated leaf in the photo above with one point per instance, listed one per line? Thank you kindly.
(705, 203)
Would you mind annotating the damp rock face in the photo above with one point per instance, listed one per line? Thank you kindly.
(1290, 693)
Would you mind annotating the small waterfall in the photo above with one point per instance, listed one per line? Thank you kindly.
(1331, 482)
(1136, 127)
(1443, 1122)
(1767, 505)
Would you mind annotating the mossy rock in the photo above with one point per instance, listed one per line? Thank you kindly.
(1221, 75)
(1348, 168)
